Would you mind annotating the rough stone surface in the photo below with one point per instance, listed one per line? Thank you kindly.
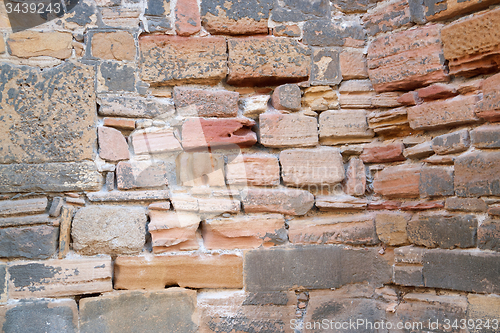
(172, 60)
(455, 142)
(313, 267)
(154, 141)
(489, 107)
(25, 44)
(286, 97)
(388, 17)
(287, 130)
(52, 114)
(327, 33)
(334, 202)
(388, 58)
(401, 181)
(191, 271)
(44, 316)
(353, 65)
(235, 17)
(135, 107)
(284, 201)
(26, 206)
(139, 174)
(257, 170)
(344, 126)
(112, 144)
(254, 61)
(392, 152)
(32, 242)
(56, 278)
(198, 169)
(303, 167)
(419, 151)
(116, 196)
(476, 174)
(488, 235)
(49, 177)
(119, 45)
(483, 307)
(109, 229)
(326, 66)
(206, 103)
(116, 77)
(466, 204)
(471, 45)
(355, 182)
(253, 106)
(391, 227)
(201, 133)
(392, 122)
(444, 231)
(436, 91)
(436, 181)
(486, 136)
(187, 17)
(443, 113)
(174, 308)
(292, 30)
(301, 10)
(320, 98)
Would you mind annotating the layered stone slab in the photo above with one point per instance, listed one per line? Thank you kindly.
(284, 201)
(401, 181)
(344, 126)
(26, 206)
(257, 170)
(287, 130)
(26, 44)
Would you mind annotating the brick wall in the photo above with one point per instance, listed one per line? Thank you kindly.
(229, 166)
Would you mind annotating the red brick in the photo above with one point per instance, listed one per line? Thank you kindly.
(436, 91)
(392, 152)
(173, 60)
(139, 174)
(449, 112)
(187, 17)
(287, 130)
(353, 65)
(285, 201)
(355, 183)
(244, 232)
(388, 59)
(154, 140)
(489, 107)
(256, 170)
(472, 45)
(205, 103)
(400, 181)
(199, 133)
(267, 61)
(112, 144)
(191, 271)
(123, 123)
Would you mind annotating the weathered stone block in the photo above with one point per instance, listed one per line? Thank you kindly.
(443, 113)
(172, 60)
(335, 202)
(286, 97)
(117, 45)
(198, 169)
(388, 59)
(235, 17)
(137, 174)
(486, 136)
(205, 103)
(287, 130)
(154, 140)
(466, 204)
(441, 10)
(436, 181)
(327, 33)
(468, 44)
(355, 182)
(292, 30)
(387, 17)
(488, 235)
(419, 151)
(109, 229)
(484, 308)
(50, 177)
(267, 61)
(122, 123)
(187, 17)
(326, 66)
(436, 91)
(353, 6)
(256, 170)
(476, 174)
(44, 316)
(26, 206)
(444, 231)
(489, 107)
(34, 242)
(244, 232)
(401, 181)
(451, 143)
(26, 44)
(392, 152)
(344, 126)
(301, 10)
(313, 267)
(56, 278)
(422, 205)
(284, 201)
(112, 144)
(353, 65)
(303, 167)
(320, 98)
(135, 107)
(115, 196)
(201, 133)
(410, 275)
(116, 77)
(51, 114)
(150, 311)
(253, 106)
(391, 227)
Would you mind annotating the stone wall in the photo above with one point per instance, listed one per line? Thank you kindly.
(251, 166)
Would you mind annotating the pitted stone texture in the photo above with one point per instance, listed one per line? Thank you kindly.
(488, 235)
(44, 316)
(236, 17)
(267, 61)
(256, 170)
(388, 17)
(287, 130)
(286, 97)
(32, 242)
(301, 10)
(205, 103)
(116, 77)
(284, 201)
(109, 229)
(476, 174)
(486, 136)
(26, 206)
(112, 144)
(49, 177)
(400, 181)
(137, 174)
(472, 45)
(135, 107)
(353, 64)
(436, 181)
(202, 133)
(172, 60)
(303, 167)
(454, 142)
(326, 66)
(51, 114)
(443, 113)
(489, 107)
(25, 44)
(119, 45)
(344, 126)
(327, 33)
(356, 6)
(187, 17)
(388, 59)
(151, 311)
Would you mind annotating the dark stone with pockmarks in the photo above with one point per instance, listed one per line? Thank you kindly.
(451, 143)
(354, 6)
(327, 33)
(301, 10)
(116, 77)
(36, 242)
(157, 7)
(488, 235)
(444, 231)
(487, 136)
(476, 174)
(436, 181)
(263, 298)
